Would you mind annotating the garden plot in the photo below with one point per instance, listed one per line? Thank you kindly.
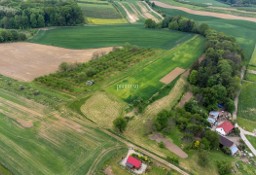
(172, 75)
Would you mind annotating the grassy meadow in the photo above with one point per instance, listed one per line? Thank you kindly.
(252, 140)
(146, 80)
(83, 37)
(45, 143)
(247, 101)
(243, 31)
(253, 58)
(250, 77)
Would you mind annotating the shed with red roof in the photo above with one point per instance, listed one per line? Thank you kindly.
(132, 162)
(225, 128)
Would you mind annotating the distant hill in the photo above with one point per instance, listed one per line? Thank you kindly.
(240, 2)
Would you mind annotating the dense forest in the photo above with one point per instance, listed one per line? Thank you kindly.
(239, 2)
(16, 14)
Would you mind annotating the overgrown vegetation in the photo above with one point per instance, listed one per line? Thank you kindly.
(11, 35)
(192, 125)
(73, 77)
(38, 13)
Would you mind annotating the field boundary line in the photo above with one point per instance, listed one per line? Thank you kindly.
(153, 10)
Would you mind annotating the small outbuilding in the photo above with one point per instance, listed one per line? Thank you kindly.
(89, 82)
(224, 142)
(133, 163)
(214, 114)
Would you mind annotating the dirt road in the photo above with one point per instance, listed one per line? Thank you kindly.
(204, 13)
(169, 145)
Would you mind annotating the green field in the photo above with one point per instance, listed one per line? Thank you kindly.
(31, 144)
(101, 12)
(250, 77)
(147, 78)
(104, 36)
(214, 3)
(243, 31)
(252, 140)
(105, 21)
(105, 11)
(247, 101)
(253, 58)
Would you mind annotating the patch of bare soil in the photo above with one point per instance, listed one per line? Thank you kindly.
(201, 58)
(26, 61)
(204, 13)
(108, 171)
(172, 75)
(169, 145)
(185, 98)
(25, 124)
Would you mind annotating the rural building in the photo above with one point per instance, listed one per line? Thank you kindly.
(214, 114)
(133, 163)
(225, 128)
(224, 142)
(213, 117)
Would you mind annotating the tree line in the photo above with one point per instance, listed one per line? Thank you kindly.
(11, 35)
(39, 13)
(216, 79)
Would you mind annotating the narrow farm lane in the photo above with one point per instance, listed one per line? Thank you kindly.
(160, 160)
(242, 135)
(238, 94)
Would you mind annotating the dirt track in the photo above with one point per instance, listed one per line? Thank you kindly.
(169, 145)
(26, 61)
(204, 13)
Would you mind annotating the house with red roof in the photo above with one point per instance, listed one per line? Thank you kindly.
(225, 128)
(133, 163)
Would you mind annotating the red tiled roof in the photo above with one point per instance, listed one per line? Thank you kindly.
(227, 126)
(133, 161)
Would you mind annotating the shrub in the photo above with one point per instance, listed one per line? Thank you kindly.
(224, 168)
(172, 160)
